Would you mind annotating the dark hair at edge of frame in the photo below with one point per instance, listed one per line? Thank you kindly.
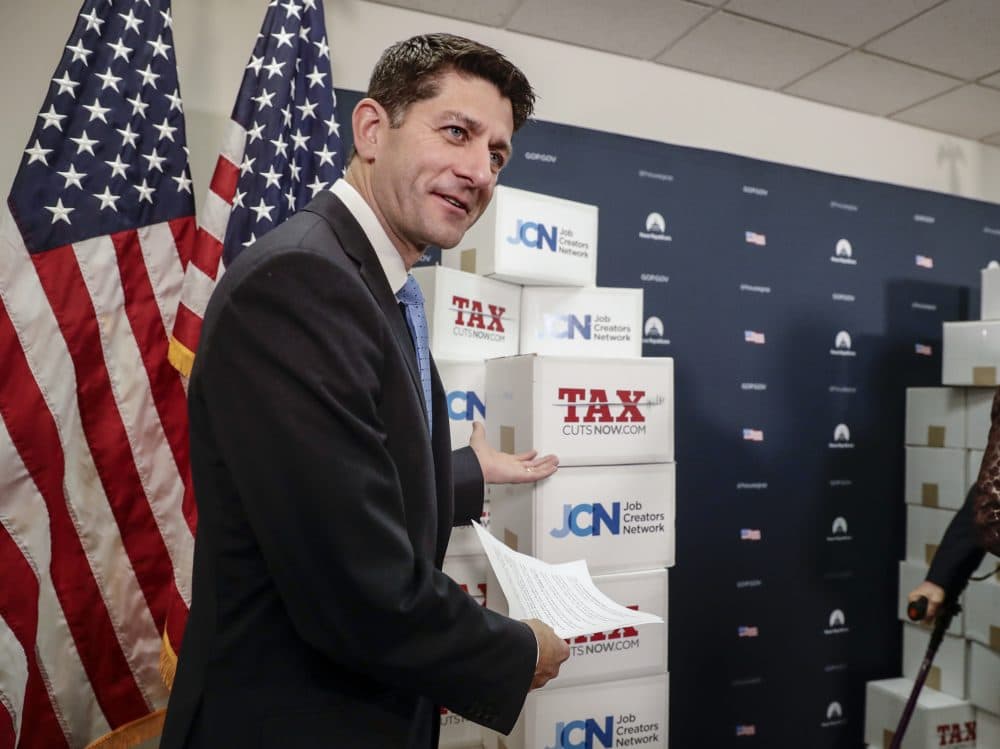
(410, 71)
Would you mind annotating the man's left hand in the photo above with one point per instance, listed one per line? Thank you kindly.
(504, 468)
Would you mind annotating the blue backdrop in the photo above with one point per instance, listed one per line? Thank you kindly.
(775, 614)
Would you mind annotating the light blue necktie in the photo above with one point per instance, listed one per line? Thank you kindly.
(412, 300)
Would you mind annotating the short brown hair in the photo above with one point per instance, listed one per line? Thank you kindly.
(411, 70)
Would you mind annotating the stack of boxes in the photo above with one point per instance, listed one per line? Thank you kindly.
(611, 503)
(946, 434)
(573, 384)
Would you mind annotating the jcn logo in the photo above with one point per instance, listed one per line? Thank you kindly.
(573, 520)
(584, 734)
(464, 404)
(566, 327)
(535, 235)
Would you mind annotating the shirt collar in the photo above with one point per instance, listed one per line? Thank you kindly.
(388, 257)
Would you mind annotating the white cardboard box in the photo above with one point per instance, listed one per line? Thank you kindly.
(987, 730)
(532, 239)
(586, 411)
(624, 653)
(617, 518)
(982, 613)
(593, 322)
(978, 402)
(935, 417)
(911, 574)
(470, 318)
(465, 392)
(989, 296)
(989, 566)
(935, 476)
(593, 716)
(947, 673)
(469, 571)
(971, 353)
(936, 714)
(924, 528)
(984, 677)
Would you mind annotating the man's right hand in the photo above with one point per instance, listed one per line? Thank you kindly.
(934, 595)
(552, 651)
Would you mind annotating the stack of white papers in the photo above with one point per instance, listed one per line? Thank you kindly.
(561, 595)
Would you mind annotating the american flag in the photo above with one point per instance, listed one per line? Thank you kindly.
(752, 336)
(923, 349)
(923, 261)
(749, 534)
(744, 631)
(753, 237)
(97, 534)
(753, 435)
(283, 147)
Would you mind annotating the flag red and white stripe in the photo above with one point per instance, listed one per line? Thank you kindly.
(205, 266)
(283, 146)
(96, 511)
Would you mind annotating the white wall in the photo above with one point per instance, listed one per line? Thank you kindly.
(576, 86)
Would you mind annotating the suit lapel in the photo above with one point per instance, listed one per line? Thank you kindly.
(355, 243)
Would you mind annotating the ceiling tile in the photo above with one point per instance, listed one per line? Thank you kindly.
(959, 38)
(638, 28)
(870, 84)
(993, 80)
(492, 13)
(739, 49)
(971, 111)
(852, 22)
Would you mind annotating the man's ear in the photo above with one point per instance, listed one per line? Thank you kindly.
(368, 121)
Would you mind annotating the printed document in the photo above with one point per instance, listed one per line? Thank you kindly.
(561, 595)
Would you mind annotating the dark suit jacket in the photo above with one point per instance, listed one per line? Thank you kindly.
(320, 617)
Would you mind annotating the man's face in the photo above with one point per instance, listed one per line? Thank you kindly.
(434, 175)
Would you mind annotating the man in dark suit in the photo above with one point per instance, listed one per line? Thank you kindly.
(320, 449)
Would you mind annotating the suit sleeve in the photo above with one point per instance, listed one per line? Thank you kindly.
(292, 384)
(959, 552)
(468, 481)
